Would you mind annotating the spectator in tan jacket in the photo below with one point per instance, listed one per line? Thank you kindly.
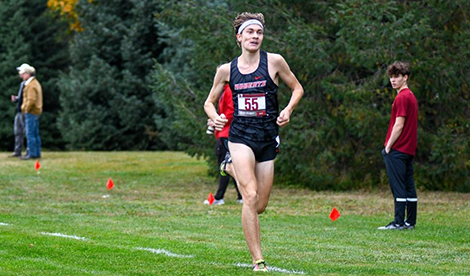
(32, 109)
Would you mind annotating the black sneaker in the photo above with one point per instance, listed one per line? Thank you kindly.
(409, 226)
(392, 226)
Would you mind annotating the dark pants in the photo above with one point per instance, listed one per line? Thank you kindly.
(32, 135)
(19, 131)
(220, 151)
(400, 175)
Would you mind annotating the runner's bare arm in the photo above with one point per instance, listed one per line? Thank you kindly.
(221, 78)
(288, 78)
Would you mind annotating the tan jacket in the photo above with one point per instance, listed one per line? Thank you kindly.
(32, 98)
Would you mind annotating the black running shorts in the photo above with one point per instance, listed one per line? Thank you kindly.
(264, 151)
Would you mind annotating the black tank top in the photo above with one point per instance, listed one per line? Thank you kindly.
(255, 102)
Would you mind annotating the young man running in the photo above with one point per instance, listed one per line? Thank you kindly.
(400, 148)
(253, 140)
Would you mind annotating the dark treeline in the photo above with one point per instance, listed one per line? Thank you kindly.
(137, 76)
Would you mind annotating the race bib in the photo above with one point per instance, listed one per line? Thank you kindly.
(251, 105)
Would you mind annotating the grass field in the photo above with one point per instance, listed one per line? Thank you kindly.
(63, 221)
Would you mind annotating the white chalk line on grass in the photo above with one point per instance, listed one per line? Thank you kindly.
(171, 254)
(163, 251)
(273, 268)
(4, 224)
(63, 236)
(156, 251)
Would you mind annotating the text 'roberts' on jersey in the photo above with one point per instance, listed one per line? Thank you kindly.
(247, 85)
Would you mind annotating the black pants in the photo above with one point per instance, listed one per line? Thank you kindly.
(220, 151)
(400, 175)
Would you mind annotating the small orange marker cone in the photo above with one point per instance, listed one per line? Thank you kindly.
(37, 165)
(210, 198)
(110, 184)
(334, 215)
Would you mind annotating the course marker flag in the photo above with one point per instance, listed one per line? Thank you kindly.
(334, 215)
(37, 165)
(210, 198)
(110, 184)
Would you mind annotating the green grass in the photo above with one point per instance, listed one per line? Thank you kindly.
(157, 204)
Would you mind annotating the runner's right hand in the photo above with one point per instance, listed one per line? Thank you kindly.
(220, 122)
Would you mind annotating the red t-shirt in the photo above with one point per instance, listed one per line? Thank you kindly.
(405, 105)
(226, 107)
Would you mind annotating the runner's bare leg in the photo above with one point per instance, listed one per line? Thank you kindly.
(244, 165)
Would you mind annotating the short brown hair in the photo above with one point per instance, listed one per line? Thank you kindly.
(399, 68)
(245, 16)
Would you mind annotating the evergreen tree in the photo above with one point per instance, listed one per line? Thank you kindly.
(12, 48)
(188, 63)
(106, 98)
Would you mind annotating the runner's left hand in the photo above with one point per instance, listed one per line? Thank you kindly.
(284, 118)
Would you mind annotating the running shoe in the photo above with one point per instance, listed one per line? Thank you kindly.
(260, 265)
(216, 202)
(392, 226)
(223, 164)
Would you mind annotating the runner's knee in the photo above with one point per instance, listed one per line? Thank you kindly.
(250, 198)
(261, 208)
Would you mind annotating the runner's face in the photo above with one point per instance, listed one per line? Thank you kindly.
(251, 37)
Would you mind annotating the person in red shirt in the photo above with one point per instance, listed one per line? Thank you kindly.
(400, 148)
(225, 107)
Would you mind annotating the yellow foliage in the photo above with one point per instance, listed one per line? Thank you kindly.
(66, 9)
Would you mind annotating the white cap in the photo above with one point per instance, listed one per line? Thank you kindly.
(25, 68)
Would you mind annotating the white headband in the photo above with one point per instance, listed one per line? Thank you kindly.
(250, 22)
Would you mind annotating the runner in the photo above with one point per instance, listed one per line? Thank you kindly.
(253, 139)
